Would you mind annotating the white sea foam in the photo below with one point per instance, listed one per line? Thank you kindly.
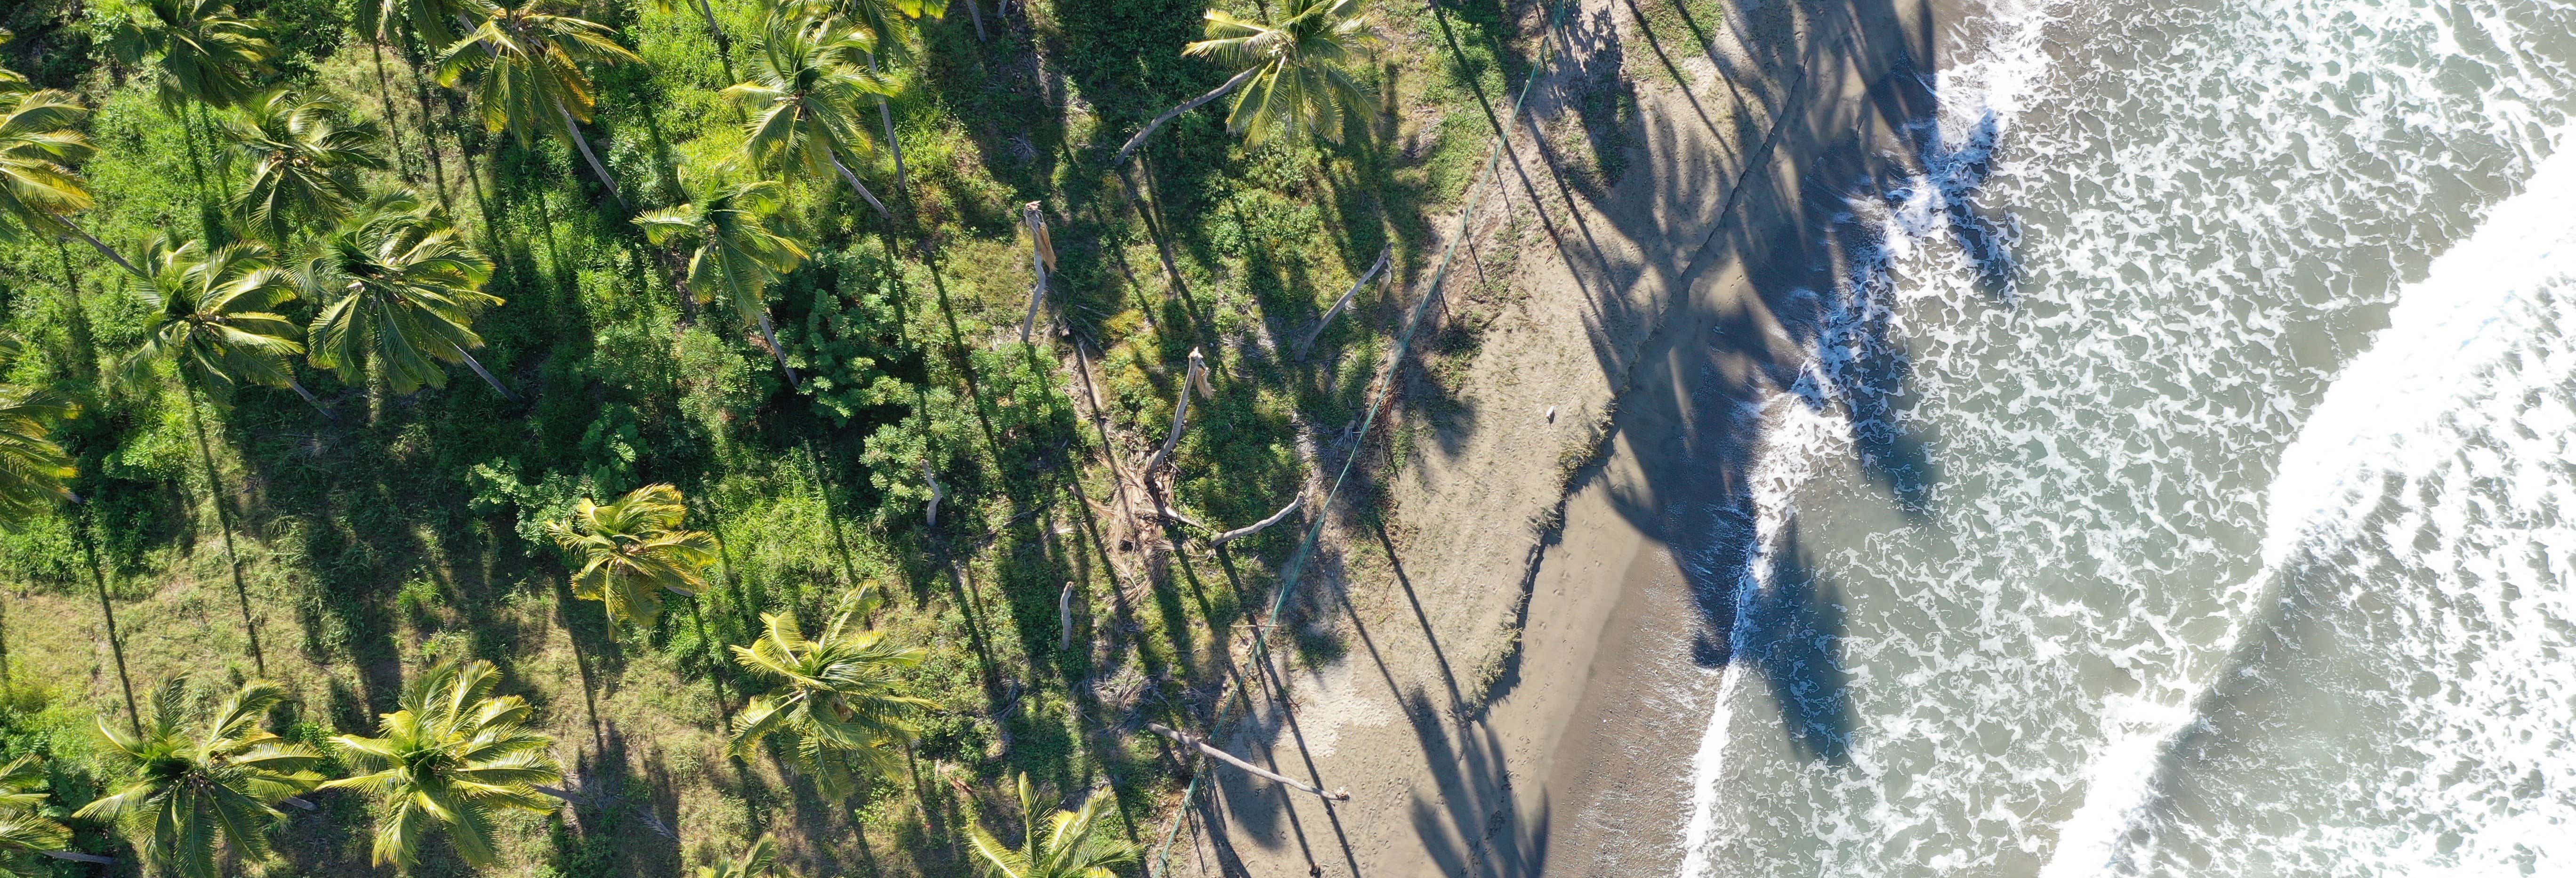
(2208, 205)
(2386, 413)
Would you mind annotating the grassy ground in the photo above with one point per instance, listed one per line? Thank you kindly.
(407, 528)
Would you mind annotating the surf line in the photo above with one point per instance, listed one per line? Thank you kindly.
(2462, 319)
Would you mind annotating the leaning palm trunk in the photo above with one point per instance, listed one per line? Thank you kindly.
(385, 97)
(1186, 106)
(1041, 259)
(103, 249)
(902, 181)
(1259, 526)
(1338, 307)
(572, 127)
(771, 336)
(858, 187)
(224, 518)
(477, 366)
(1194, 742)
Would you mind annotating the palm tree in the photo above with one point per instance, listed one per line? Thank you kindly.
(210, 320)
(1073, 844)
(40, 141)
(739, 252)
(200, 51)
(25, 832)
(304, 163)
(836, 703)
(803, 95)
(401, 290)
(531, 60)
(757, 861)
(182, 797)
(1291, 74)
(32, 467)
(889, 19)
(451, 755)
(633, 549)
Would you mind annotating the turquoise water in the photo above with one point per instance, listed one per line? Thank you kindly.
(2241, 537)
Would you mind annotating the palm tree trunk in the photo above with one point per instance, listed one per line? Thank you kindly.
(724, 47)
(393, 126)
(477, 366)
(429, 129)
(902, 181)
(103, 249)
(298, 387)
(107, 610)
(1186, 106)
(861, 188)
(224, 518)
(768, 335)
(978, 16)
(573, 128)
(83, 342)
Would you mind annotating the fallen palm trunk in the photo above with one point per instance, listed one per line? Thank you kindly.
(1064, 617)
(1259, 526)
(80, 857)
(1195, 380)
(1318, 331)
(1186, 739)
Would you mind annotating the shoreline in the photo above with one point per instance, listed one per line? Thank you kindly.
(1513, 701)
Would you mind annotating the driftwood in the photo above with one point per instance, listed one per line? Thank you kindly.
(1259, 526)
(1353, 292)
(1196, 380)
(1186, 739)
(1041, 257)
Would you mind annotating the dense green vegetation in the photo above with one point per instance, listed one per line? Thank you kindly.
(864, 572)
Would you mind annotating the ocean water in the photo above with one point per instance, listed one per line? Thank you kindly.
(2234, 348)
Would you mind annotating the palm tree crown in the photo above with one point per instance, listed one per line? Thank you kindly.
(836, 698)
(32, 468)
(445, 760)
(756, 861)
(1302, 84)
(200, 50)
(304, 162)
(402, 289)
(804, 96)
(530, 59)
(25, 832)
(1072, 844)
(738, 251)
(1291, 77)
(633, 549)
(183, 796)
(210, 317)
(39, 144)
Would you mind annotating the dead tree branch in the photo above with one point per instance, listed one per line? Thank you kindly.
(1259, 526)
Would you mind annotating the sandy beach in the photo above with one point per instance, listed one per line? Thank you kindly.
(1677, 293)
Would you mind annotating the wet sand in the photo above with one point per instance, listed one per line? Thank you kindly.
(1683, 281)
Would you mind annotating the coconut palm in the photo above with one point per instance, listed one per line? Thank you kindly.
(1072, 844)
(435, 23)
(442, 763)
(304, 161)
(757, 861)
(40, 141)
(738, 251)
(183, 793)
(632, 549)
(32, 468)
(400, 289)
(530, 59)
(889, 19)
(1291, 76)
(200, 51)
(836, 702)
(803, 95)
(25, 832)
(210, 319)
